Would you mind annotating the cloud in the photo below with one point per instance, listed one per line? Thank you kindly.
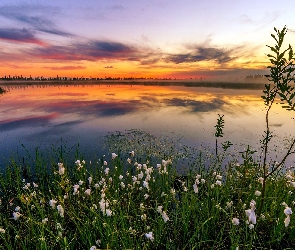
(115, 7)
(108, 67)
(91, 51)
(202, 53)
(33, 16)
(65, 68)
(20, 35)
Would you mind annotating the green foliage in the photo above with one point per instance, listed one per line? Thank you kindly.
(219, 126)
(281, 75)
(281, 72)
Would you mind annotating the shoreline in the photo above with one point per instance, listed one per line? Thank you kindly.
(186, 83)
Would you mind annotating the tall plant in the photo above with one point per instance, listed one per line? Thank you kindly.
(282, 70)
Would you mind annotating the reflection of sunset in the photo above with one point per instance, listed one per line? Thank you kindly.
(85, 112)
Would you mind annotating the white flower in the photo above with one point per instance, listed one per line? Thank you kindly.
(35, 185)
(260, 179)
(289, 177)
(159, 209)
(235, 221)
(284, 204)
(17, 209)
(131, 153)
(212, 186)
(16, 215)
(287, 211)
(52, 203)
(114, 155)
(196, 190)
(89, 180)
(165, 216)
(60, 210)
(257, 193)
(121, 177)
(129, 160)
(143, 217)
(251, 226)
(105, 163)
(2, 230)
(218, 177)
(87, 191)
(149, 236)
(81, 182)
(229, 204)
(93, 248)
(61, 168)
(145, 184)
(108, 212)
(45, 220)
(287, 221)
(106, 171)
(172, 191)
(146, 196)
(76, 187)
(218, 182)
(252, 204)
(251, 215)
(203, 181)
(103, 205)
(122, 185)
(98, 242)
(292, 183)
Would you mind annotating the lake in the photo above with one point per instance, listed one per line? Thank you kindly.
(44, 115)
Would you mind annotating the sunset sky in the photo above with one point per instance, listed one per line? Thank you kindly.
(135, 38)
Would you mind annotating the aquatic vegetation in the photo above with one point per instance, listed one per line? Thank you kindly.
(2, 90)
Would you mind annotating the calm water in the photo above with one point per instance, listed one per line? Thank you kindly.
(43, 115)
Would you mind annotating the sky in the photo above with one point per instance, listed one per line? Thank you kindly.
(140, 38)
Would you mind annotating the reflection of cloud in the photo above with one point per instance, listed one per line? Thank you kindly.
(58, 129)
(32, 121)
(96, 108)
(196, 106)
(67, 94)
(277, 125)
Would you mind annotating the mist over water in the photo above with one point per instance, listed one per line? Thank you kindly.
(49, 116)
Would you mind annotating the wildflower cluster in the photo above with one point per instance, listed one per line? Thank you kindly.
(152, 206)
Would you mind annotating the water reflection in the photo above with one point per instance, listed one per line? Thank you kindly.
(42, 115)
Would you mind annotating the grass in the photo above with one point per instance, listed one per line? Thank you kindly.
(127, 201)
